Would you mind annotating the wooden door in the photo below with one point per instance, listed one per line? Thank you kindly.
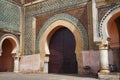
(62, 52)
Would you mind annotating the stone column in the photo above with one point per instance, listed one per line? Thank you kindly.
(46, 63)
(16, 64)
(104, 58)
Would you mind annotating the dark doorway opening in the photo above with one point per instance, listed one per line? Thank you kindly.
(117, 49)
(6, 59)
(114, 42)
(62, 57)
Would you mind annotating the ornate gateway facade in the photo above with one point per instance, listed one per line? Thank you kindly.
(59, 36)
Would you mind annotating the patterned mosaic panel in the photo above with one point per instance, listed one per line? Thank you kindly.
(101, 11)
(36, 9)
(28, 41)
(29, 37)
(51, 5)
(9, 16)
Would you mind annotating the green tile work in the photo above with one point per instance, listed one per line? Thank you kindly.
(9, 16)
(49, 5)
(39, 8)
(70, 19)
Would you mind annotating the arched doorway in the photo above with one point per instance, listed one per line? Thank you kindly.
(114, 41)
(9, 53)
(52, 24)
(62, 57)
(6, 59)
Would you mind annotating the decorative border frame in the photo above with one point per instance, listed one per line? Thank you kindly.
(68, 18)
(103, 19)
(14, 38)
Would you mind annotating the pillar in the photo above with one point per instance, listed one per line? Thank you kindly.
(104, 58)
(16, 64)
(46, 61)
(46, 67)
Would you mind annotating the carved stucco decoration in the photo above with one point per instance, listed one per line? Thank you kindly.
(102, 30)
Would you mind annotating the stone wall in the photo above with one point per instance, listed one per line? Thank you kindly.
(30, 64)
(91, 59)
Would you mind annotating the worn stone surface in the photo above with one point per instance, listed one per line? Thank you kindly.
(19, 76)
(30, 63)
(110, 76)
(91, 59)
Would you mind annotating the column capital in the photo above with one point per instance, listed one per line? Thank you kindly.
(105, 71)
(16, 56)
(102, 46)
(46, 59)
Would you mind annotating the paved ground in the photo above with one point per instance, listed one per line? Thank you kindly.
(19, 76)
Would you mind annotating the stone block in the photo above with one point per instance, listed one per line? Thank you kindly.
(30, 63)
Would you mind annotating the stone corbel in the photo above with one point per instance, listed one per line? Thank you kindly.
(108, 39)
(16, 56)
(47, 57)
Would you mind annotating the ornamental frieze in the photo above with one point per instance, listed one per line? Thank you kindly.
(51, 5)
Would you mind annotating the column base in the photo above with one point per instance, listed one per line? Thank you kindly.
(16, 71)
(105, 71)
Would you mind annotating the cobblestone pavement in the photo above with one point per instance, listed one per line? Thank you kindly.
(20, 76)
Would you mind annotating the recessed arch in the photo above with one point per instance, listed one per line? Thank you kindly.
(104, 23)
(68, 18)
(13, 39)
(113, 30)
(73, 25)
(9, 50)
(105, 29)
(62, 58)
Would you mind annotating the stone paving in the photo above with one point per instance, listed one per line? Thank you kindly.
(110, 76)
(20, 76)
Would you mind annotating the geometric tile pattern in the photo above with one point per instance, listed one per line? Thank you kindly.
(9, 16)
(36, 9)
